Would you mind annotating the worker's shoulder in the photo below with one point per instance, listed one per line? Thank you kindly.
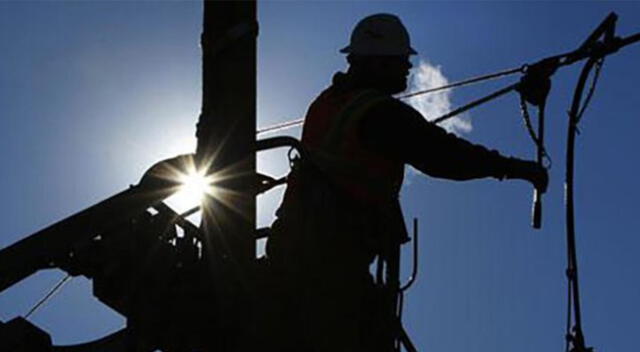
(385, 104)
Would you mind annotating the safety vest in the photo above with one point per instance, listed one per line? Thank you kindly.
(331, 135)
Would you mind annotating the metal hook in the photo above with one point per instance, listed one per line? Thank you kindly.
(414, 271)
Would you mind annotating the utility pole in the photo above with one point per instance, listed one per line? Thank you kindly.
(226, 142)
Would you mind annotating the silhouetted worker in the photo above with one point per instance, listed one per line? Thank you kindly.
(341, 207)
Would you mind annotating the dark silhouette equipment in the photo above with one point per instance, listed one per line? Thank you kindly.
(189, 288)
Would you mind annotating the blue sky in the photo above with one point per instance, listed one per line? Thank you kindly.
(93, 93)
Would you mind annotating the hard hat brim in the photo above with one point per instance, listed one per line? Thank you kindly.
(348, 50)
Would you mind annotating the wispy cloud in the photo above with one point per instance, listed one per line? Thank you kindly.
(433, 105)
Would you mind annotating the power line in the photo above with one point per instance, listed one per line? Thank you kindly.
(466, 82)
(50, 294)
(477, 79)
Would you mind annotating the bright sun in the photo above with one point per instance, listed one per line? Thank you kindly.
(195, 185)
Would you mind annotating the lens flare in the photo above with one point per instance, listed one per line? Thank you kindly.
(194, 187)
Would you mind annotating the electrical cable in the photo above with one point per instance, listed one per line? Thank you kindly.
(280, 126)
(469, 81)
(592, 88)
(475, 103)
(567, 334)
(49, 294)
(499, 74)
(575, 336)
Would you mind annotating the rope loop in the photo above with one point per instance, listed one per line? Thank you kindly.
(526, 117)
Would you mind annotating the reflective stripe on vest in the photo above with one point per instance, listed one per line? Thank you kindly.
(339, 153)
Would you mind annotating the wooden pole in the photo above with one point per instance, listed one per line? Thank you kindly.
(226, 138)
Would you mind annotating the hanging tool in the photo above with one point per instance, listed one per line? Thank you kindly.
(534, 89)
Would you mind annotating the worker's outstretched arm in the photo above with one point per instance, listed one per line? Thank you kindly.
(398, 131)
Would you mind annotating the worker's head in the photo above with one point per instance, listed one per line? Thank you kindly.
(380, 49)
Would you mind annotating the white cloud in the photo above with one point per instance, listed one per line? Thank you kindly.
(434, 105)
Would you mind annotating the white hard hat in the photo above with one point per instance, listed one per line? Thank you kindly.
(379, 34)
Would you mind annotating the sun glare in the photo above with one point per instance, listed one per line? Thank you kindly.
(195, 186)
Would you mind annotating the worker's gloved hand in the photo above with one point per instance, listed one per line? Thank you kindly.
(529, 171)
